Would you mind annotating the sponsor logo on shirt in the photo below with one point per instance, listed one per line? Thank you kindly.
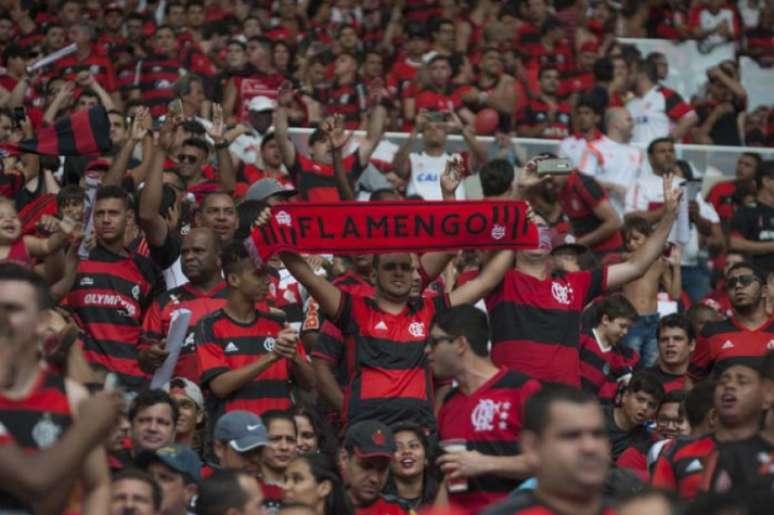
(108, 300)
(231, 347)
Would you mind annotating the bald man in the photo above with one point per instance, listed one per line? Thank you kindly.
(611, 159)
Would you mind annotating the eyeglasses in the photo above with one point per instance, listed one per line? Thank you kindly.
(187, 158)
(434, 342)
(391, 267)
(741, 280)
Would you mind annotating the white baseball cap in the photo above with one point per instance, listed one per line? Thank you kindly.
(261, 103)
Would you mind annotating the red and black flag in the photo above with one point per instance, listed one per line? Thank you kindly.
(85, 133)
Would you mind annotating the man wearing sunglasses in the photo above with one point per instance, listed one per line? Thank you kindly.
(748, 334)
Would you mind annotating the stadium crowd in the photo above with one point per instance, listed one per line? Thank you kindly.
(152, 364)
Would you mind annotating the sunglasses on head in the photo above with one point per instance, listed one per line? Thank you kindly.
(741, 280)
(187, 158)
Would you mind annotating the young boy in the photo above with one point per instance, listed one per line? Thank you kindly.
(603, 362)
(639, 403)
(15, 247)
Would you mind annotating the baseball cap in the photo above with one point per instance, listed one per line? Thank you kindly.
(370, 439)
(177, 457)
(261, 103)
(242, 430)
(265, 188)
(187, 388)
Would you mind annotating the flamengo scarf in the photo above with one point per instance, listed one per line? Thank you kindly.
(384, 227)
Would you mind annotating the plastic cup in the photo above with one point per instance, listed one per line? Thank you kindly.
(455, 445)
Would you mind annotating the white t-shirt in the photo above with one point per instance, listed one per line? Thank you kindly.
(426, 174)
(609, 161)
(656, 113)
(573, 149)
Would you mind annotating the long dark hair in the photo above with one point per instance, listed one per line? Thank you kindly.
(325, 443)
(430, 475)
(323, 469)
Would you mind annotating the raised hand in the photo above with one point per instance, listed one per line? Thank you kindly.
(285, 343)
(337, 134)
(451, 177)
(218, 126)
(140, 125)
(672, 195)
(285, 94)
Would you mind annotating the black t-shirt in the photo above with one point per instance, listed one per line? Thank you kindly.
(747, 464)
(756, 223)
(620, 440)
(726, 129)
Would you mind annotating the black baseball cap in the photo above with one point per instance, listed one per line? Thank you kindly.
(370, 439)
(177, 457)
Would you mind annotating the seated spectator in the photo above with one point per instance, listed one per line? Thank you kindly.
(639, 403)
(176, 469)
(587, 118)
(714, 22)
(718, 114)
(721, 196)
(440, 93)
(758, 38)
(604, 363)
(552, 49)
(545, 116)
(752, 227)
(136, 492)
(676, 342)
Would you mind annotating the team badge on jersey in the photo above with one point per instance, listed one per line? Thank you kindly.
(46, 432)
(489, 413)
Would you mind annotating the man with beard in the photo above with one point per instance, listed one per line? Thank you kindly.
(564, 433)
(748, 334)
(205, 293)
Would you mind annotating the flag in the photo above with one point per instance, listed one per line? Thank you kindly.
(85, 133)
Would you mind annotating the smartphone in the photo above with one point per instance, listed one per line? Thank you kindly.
(692, 188)
(175, 107)
(555, 166)
(19, 115)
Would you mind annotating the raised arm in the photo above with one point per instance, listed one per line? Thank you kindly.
(639, 262)
(489, 278)
(226, 171)
(400, 162)
(286, 147)
(611, 223)
(374, 134)
(151, 221)
(338, 137)
(137, 133)
(326, 294)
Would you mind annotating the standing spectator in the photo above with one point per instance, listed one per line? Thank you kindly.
(365, 462)
(177, 470)
(440, 93)
(604, 364)
(191, 412)
(230, 491)
(247, 146)
(247, 356)
(134, 491)
(611, 159)
(37, 404)
(564, 432)
(747, 335)
(752, 227)
(484, 409)
(152, 416)
(237, 441)
(413, 480)
(111, 290)
(545, 115)
(586, 121)
(676, 343)
(205, 293)
(713, 23)
(313, 480)
(158, 73)
(719, 113)
(552, 49)
(276, 456)
(723, 195)
(658, 111)
(423, 170)
(639, 402)
(347, 96)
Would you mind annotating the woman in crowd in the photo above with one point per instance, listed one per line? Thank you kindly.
(413, 478)
(312, 479)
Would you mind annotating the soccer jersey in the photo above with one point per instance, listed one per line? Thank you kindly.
(620, 439)
(669, 381)
(108, 299)
(386, 357)
(381, 507)
(612, 162)
(574, 147)
(157, 75)
(489, 420)
(727, 342)
(426, 172)
(602, 369)
(99, 66)
(316, 182)
(579, 197)
(681, 465)
(223, 344)
(161, 312)
(536, 112)
(526, 502)
(536, 322)
(747, 464)
(756, 223)
(655, 113)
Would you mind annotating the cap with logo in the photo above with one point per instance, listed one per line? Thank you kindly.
(261, 103)
(265, 188)
(187, 388)
(242, 430)
(177, 457)
(370, 439)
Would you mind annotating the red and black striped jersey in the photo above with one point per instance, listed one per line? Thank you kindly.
(680, 466)
(34, 422)
(421, 10)
(728, 341)
(108, 299)
(601, 370)
(381, 506)
(525, 502)
(156, 77)
(635, 458)
(536, 113)
(536, 322)
(348, 100)
(159, 315)
(385, 355)
(223, 344)
(747, 464)
(315, 181)
(669, 381)
(538, 56)
(348, 281)
(100, 66)
(579, 197)
(448, 99)
(489, 420)
(10, 184)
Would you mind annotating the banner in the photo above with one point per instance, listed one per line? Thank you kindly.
(384, 227)
(85, 133)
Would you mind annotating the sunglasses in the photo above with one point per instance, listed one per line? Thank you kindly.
(741, 280)
(187, 158)
(391, 267)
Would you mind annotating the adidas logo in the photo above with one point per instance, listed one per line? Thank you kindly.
(727, 345)
(381, 326)
(694, 466)
(231, 347)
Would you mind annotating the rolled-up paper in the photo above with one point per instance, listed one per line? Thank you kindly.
(175, 337)
(52, 57)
